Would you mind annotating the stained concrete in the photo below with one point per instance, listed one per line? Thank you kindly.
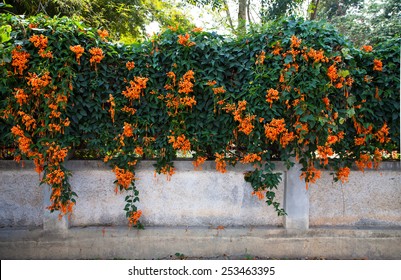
(162, 242)
(358, 220)
(372, 198)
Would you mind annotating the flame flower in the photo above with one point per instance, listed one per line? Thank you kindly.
(377, 65)
(134, 218)
(271, 96)
(260, 58)
(130, 65)
(343, 174)
(19, 60)
(97, 55)
(198, 162)
(185, 41)
(78, 50)
(221, 164)
(367, 48)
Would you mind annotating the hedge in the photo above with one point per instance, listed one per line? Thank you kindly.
(293, 91)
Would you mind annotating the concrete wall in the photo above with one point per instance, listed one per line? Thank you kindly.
(372, 198)
(21, 197)
(183, 214)
(189, 198)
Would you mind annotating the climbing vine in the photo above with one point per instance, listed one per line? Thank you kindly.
(296, 91)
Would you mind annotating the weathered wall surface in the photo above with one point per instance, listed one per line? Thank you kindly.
(189, 198)
(21, 197)
(372, 198)
(360, 219)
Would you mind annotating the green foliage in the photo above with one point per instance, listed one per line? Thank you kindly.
(292, 89)
(125, 19)
(370, 24)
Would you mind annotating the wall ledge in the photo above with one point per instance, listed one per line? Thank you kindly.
(201, 242)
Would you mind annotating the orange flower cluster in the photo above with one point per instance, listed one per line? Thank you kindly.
(211, 83)
(274, 129)
(78, 50)
(27, 120)
(332, 73)
(139, 150)
(40, 42)
(343, 174)
(295, 42)
(24, 143)
(173, 28)
(377, 65)
(317, 56)
(136, 88)
(56, 155)
(324, 152)
(221, 164)
(124, 177)
(246, 125)
(103, 33)
(185, 41)
(172, 76)
(368, 79)
(249, 158)
(55, 177)
(286, 138)
(134, 218)
(112, 107)
(128, 110)
(63, 207)
(272, 95)
(188, 101)
(168, 170)
(245, 122)
(367, 48)
(54, 127)
(377, 158)
(128, 131)
(20, 96)
(382, 134)
(359, 141)
(332, 139)
(39, 163)
(326, 102)
(260, 58)
(363, 162)
(97, 56)
(301, 129)
(360, 129)
(198, 162)
(37, 83)
(185, 84)
(218, 90)
(130, 65)
(19, 60)
(260, 194)
(180, 143)
(277, 49)
(197, 29)
(310, 175)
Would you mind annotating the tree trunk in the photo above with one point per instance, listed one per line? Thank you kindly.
(230, 21)
(241, 15)
(314, 4)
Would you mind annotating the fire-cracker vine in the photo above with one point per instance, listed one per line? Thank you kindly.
(295, 92)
